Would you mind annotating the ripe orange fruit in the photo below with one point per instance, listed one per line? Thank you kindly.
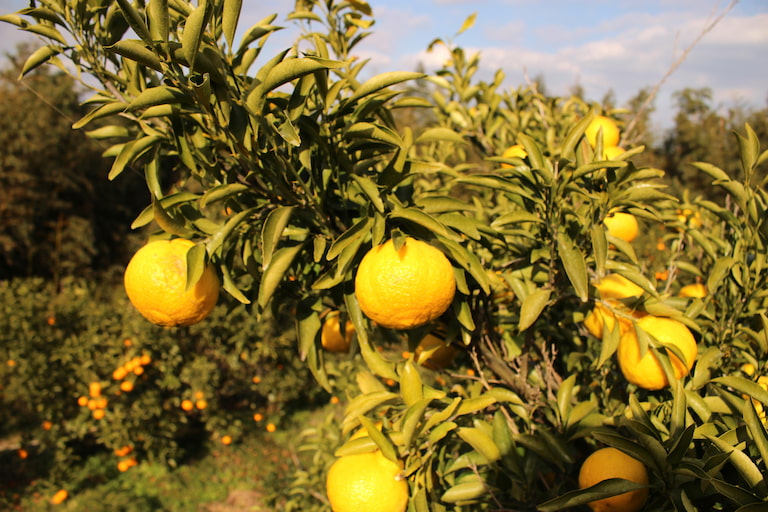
(331, 337)
(608, 463)
(119, 373)
(366, 481)
(126, 386)
(187, 405)
(622, 225)
(613, 152)
(60, 496)
(646, 371)
(695, 290)
(406, 288)
(94, 389)
(610, 131)
(611, 288)
(516, 151)
(156, 284)
(434, 353)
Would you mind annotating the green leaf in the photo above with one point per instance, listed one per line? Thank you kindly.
(194, 28)
(468, 23)
(46, 31)
(222, 192)
(136, 50)
(575, 265)
(745, 386)
(291, 69)
(532, 307)
(376, 363)
(749, 149)
(371, 191)
(160, 95)
(168, 223)
(383, 81)
(38, 57)
(159, 19)
(105, 110)
(196, 263)
(275, 271)
(601, 490)
(756, 429)
(465, 491)
(410, 383)
(741, 461)
(230, 19)
(375, 132)
(272, 231)
(135, 20)
(439, 134)
(130, 152)
(425, 220)
(480, 442)
(349, 237)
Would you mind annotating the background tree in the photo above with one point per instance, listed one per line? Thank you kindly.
(59, 215)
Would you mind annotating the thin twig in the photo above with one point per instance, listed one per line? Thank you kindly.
(655, 91)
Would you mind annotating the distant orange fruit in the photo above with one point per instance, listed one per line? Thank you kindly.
(331, 337)
(119, 373)
(126, 386)
(226, 439)
(60, 496)
(405, 288)
(187, 405)
(156, 284)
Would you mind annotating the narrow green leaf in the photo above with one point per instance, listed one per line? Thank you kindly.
(197, 259)
(159, 20)
(274, 272)
(350, 236)
(741, 461)
(575, 265)
(272, 231)
(135, 20)
(230, 286)
(468, 23)
(38, 57)
(532, 307)
(160, 95)
(47, 31)
(465, 492)
(601, 490)
(480, 442)
(222, 192)
(291, 69)
(376, 363)
(410, 383)
(168, 223)
(383, 81)
(421, 218)
(439, 134)
(130, 152)
(230, 19)
(371, 191)
(194, 28)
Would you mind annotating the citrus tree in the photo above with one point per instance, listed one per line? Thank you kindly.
(551, 272)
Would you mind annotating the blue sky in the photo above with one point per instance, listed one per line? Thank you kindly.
(619, 45)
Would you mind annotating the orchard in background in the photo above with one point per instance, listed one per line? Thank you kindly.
(286, 170)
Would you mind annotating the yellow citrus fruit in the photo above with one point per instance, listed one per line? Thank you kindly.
(406, 288)
(331, 337)
(610, 131)
(616, 286)
(367, 482)
(613, 152)
(695, 290)
(155, 281)
(434, 353)
(516, 151)
(608, 463)
(646, 371)
(622, 225)
(603, 315)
